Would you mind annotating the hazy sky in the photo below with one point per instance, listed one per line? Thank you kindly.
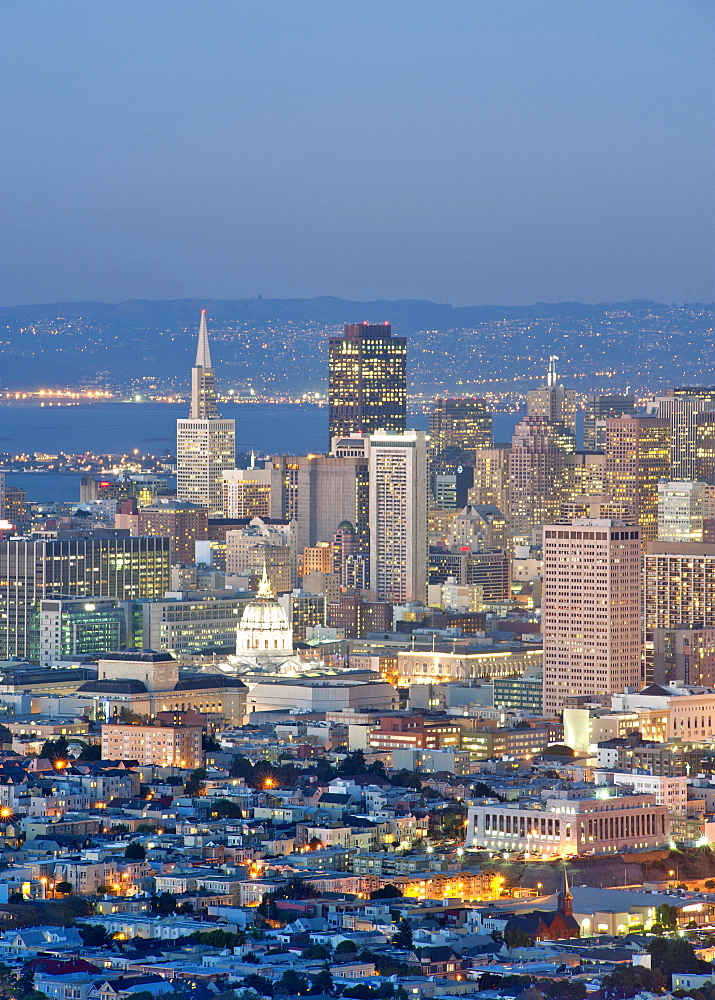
(467, 151)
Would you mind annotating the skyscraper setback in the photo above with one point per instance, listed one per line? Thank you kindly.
(367, 388)
(205, 443)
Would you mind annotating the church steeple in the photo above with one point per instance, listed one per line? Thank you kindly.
(564, 900)
(203, 389)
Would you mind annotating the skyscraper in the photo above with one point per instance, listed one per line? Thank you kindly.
(458, 428)
(637, 457)
(598, 409)
(682, 408)
(398, 516)
(320, 492)
(591, 603)
(679, 590)
(537, 472)
(705, 447)
(367, 388)
(552, 401)
(205, 443)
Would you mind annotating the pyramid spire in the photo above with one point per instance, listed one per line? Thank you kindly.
(203, 389)
(203, 353)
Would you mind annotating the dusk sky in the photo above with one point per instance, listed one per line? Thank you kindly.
(500, 151)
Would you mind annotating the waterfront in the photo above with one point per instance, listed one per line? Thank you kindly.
(119, 428)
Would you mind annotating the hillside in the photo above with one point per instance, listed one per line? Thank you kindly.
(279, 346)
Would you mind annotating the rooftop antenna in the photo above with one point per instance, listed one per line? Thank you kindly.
(551, 373)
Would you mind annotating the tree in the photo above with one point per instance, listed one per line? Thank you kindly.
(241, 767)
(55, 750)
(403, 938)
(353, 763)
(209, 743)
(220, 938)
(324, 771)
(677, 955)
(258, 983)
(163, 904)
(667, 916)
(5, 735)
(315, 952)
(346, 948)
(90, 752)
(388, 891)
(562, 989)
(292, 983)
(135, 851)
(225, 809)
(516, 937)
(126, 715)
(359, 992)
(406, 779)
(323, 982)
(628, 980)
(94, 935)
(709, 884)
(196, 783)
(64, 888)
(559, 750)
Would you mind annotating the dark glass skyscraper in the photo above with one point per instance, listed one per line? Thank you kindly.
(367, 380)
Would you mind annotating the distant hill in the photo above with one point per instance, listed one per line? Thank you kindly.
(279, 345)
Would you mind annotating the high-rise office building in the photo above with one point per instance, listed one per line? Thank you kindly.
(107, 563)
(458, 428)
(12, 503)
(705, 447)
(681, 408)
(320, 492)
(247, 492)
(367, 388)
(491, 478)
(585, 473)
(591, 603)
(537, 473)
(552, 401)
(205, 443)
(637, 457)
(183, 522)
(598, 409)
(680, 511)
(398, 516)
(678, 590)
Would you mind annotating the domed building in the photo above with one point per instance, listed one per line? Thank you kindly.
(264, 638)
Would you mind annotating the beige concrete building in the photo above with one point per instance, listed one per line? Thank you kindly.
(590, 609)
(449, 663)
(247, 492)
(398, 516)
(168, 746)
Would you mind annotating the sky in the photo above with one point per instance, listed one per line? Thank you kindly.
(464, 151)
